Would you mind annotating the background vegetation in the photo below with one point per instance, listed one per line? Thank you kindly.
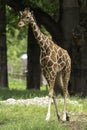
(16, 41)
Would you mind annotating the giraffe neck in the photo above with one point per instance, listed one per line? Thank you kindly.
(37, 32)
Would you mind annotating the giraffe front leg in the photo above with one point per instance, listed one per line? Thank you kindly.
(49, 103)
(52, 96)
(49, 107)
(65, 114)
(56, 107)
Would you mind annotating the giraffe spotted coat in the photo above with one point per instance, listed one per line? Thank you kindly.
(55, 61)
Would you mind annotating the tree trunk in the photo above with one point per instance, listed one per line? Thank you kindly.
(3, 47)
(33, 76)
(52, 27)
(75, 45)
(69, 20)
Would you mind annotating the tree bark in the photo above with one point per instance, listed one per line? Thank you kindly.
(69, 20)
(3, 47)
(52, 27)
(33, 75)
(77, 48)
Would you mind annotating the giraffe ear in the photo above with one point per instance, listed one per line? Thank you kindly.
(32, 12)
(21, 12)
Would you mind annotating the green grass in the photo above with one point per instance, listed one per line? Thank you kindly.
(21, 117)
(85, 127)
(32, 117)
(17, 90)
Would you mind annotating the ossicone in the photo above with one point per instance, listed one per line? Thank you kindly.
(27, 8)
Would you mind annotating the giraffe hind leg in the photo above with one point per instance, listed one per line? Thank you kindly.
(61, 82)
(65, 93)
(52, 95)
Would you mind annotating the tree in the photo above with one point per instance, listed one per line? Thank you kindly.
(75, 44)
(3, 47)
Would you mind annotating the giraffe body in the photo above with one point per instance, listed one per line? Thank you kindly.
(55, 61)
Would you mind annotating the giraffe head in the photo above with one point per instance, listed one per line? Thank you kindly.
(26, 17)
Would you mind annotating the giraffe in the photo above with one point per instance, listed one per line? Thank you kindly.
(55, 62)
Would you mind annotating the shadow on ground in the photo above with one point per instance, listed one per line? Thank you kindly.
(78, 122)
(20, 94)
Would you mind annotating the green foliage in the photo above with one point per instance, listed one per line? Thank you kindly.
(49, 6)
(43, 29)
(16, 48)
(16, 40)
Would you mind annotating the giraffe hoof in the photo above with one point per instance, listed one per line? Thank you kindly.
(67, 117)
(59, 119)
(48, 117)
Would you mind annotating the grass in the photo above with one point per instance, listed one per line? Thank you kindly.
(32, 117)
(17, 90)
(21, 117)
(85, 127)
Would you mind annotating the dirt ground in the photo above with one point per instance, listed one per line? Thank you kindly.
(77, 122)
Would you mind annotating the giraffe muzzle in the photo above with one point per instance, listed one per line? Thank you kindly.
(20, 24)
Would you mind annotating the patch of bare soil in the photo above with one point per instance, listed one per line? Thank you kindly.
(78, 122)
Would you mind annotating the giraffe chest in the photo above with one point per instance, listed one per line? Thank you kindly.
(47, 59)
